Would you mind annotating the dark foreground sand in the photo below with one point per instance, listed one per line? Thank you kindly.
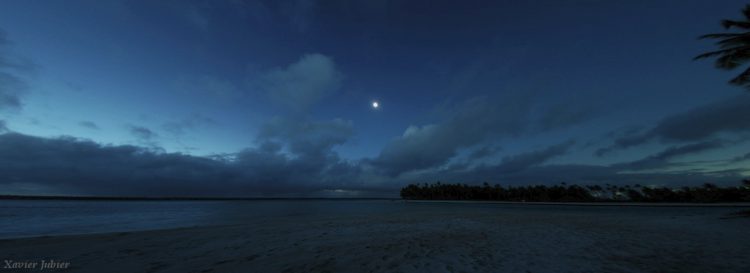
(460, 240)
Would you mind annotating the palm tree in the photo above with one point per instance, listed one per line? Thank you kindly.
(734, 48)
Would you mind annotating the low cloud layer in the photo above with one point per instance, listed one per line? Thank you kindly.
(484, 152)
(742, 158)
(663, 158)
(698, 124)
(478, 124)
(283, 164)
(520, 162)
(561, 116)
(74, 166)
(534, 168)
(433, 145)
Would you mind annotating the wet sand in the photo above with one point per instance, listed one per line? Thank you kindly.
(463, 239)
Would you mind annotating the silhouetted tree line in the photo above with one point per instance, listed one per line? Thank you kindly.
(573, 193)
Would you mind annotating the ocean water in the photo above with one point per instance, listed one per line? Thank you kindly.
(29, 218)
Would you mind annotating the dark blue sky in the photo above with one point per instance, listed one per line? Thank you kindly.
(273, 97)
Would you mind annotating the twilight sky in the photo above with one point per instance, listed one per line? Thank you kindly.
(273, 98)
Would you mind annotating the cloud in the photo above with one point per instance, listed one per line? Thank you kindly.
(142, 133)
(728, 116)
(468, 124)
(11, 89)
(273, 171)
(662, 158)
(12, 86)
(306, 138)
(75, 166)
(723, 117)
(623, 138)
(741, 158)
(582, 175)
(3, 126)
(564, 115)
(483, 152)
(311, 159)
(478, 121)
(534, 168)
(303, 83)
(590, 174)
(83, 167)
(89, 125)
(524, 161)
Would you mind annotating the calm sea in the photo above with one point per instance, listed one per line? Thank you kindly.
(27, 218)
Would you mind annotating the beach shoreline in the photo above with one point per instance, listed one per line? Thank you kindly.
(613, 204)
(425, 239)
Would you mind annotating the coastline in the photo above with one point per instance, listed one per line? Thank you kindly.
(609, 204)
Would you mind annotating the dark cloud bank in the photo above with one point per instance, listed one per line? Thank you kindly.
(75, 166)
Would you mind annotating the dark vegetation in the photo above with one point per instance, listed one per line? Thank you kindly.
(708, 193)
(734, 47)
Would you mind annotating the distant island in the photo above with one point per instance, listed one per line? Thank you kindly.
(708, 193)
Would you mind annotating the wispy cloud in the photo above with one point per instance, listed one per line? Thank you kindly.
(12, 85)
(467, 124)
(723, 117)
(143, 133)
(89, 125)
(662, 158)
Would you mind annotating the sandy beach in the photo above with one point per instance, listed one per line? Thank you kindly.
(460, 239)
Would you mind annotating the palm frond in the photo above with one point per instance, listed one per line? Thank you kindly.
(746, 12)
(734, 48)
(720, 35)
(739, 24)
(735, 41)
(721, 52)
(742, 79)
(731, 61)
